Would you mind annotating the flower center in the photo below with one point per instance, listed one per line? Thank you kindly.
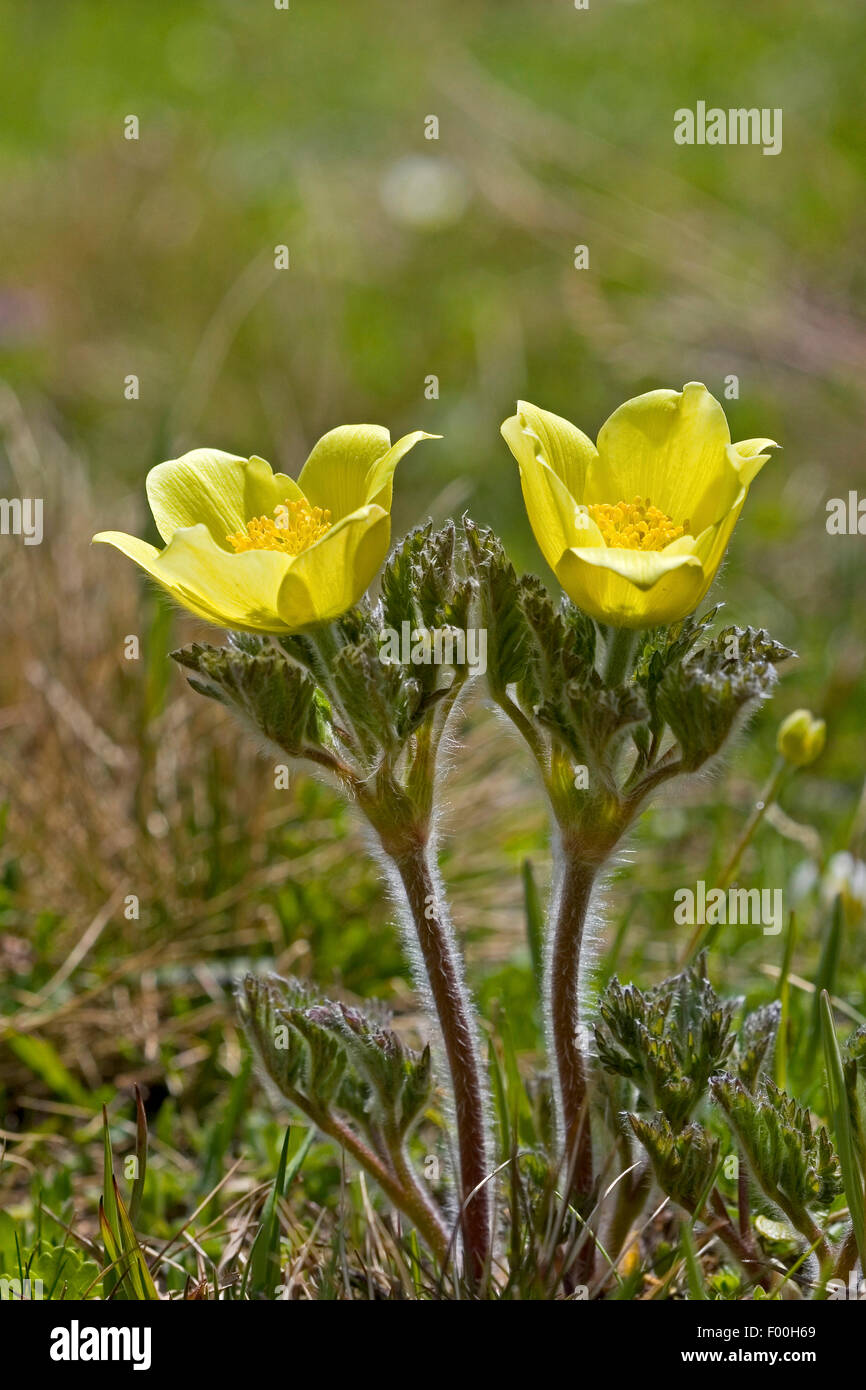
(636, 525)
(296, 526)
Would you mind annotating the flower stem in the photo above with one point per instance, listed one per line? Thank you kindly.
(448, 992)
(575, 890)
(703, 935)
(765, 800)
(621, 643)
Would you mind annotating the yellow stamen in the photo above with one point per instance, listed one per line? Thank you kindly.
(636, 525)
(296, 527)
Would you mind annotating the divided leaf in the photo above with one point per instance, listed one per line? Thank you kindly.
(685, 1161)
(324, 1055)
(701, 698)
(795, 1165)
(255, 679)
(668, 1040)
(756, 1043)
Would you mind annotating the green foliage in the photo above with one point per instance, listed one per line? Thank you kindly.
(845, 1095)
(40, 1267)
(126, 1274)
(685, 1161)
(500, 610)
(756, 1042)
(324, 1056)
(854, 1064)
(548, 654)
(700, 697)
(237, 356)
(254, 679)
(794, 1164)
(668, 1040)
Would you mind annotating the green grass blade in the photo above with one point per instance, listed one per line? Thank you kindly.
(784, 997)
(137, 1277)
(108, 1222)
(840, 1119)
(141, 1157)
(42, 1059)
(694, 1273)
(828, 970)
(264, 1269)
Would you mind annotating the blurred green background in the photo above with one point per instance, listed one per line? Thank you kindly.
(409, 258)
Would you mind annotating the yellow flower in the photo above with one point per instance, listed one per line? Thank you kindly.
(801, 738)
(635, 528)
(250, 549)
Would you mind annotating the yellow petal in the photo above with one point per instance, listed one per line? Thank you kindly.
(669, 446)
(557, 521)
(631, 593)
(537, 436)
(334, 475)
(378, 484)
(333, 574)
(643, 568)
(711, 544)
(233, 591)
(220, 491)
(748, 458)
(352, 466)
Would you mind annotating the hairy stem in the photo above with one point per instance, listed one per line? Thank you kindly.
(448, 992)
(401, 1187)
(575, 891)
(621, 644)
(739, 1244)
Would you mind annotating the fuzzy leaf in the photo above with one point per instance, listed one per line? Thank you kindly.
(756, 1042)
(328, 1055)
(255, 679)
(684, 1161)
(668, 1040)
(796, 1166)
(701, 698)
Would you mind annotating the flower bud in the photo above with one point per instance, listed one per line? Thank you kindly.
(801, 737)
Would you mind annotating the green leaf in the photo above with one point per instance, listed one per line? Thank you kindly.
(701, 698)
(796, 1167)
(534, 917)
(756, 1042)
(259, 683)
(136, 1277)
(109, 1221)
(500, 610)
(668, 1040)
(64, 1272)
(684, 1161)
(264, 1265)
(325, 1055)
(694, 1273)
(140, 1157)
